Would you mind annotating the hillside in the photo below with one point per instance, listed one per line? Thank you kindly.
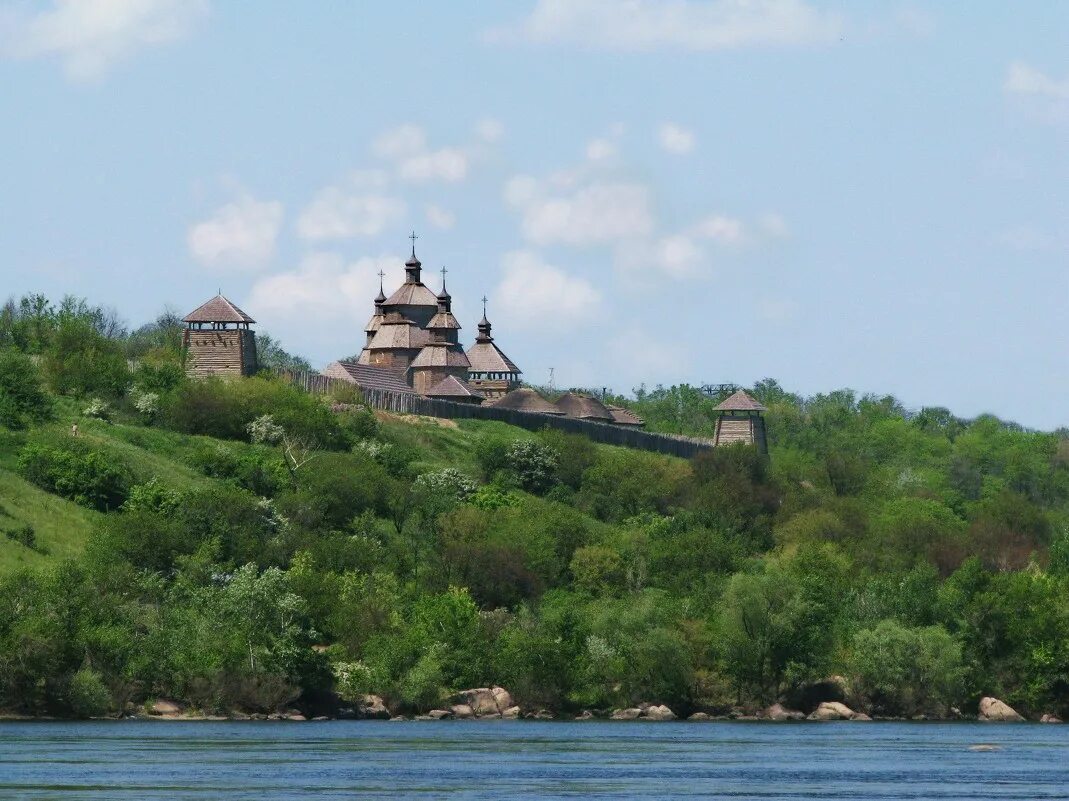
(247, 546)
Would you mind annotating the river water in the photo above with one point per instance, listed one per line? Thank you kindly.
(281, 761)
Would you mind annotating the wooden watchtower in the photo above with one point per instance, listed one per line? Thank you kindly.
(740, 419)
(218, 341)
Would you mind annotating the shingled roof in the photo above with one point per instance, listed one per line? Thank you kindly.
(486, 357)
(441, 354)
(367, 376)
(395, 332)
(584, 407)
(412, 294)
(217, 310)
(525, 399)
(453, 387)
(740, 402)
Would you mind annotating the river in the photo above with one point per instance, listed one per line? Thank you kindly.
(281, 761)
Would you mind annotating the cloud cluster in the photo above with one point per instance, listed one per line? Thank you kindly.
(675, 138)
(416, 162)
(1022, 79)
(359, 208)
(240, 235)
(90, 36)
(536, 295)
(646, 25)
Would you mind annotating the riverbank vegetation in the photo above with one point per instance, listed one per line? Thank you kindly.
(248, 546)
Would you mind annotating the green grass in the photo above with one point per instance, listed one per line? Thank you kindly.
(61, 527)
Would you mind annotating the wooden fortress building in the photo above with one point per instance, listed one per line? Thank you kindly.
(414, 336)
(412, 346)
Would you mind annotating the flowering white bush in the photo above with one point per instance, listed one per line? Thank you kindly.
(264, 430)
(448, 482)
(98, 409)
(146, 403)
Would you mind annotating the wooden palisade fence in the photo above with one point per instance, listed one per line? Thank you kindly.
(411, 403)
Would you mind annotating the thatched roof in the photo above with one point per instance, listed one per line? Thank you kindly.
(740, 402)
(584, 407)
(367, 376)
(525, 399)
(625, 417)
(455, 388)
(441, 354)
(217, 310)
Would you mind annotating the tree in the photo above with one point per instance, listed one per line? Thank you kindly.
(23, 400)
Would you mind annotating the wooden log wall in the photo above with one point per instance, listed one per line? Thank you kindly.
(606, 433)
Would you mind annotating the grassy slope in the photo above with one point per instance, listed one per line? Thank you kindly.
(62, 527)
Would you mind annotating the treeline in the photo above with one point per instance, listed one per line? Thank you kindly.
(300, 551)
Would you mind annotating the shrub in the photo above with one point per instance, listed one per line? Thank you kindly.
(534, 464)
(87, 477)
(87, 694)
(23, 400)
(97, 409)
(24, 534)
(81, 361)
(147, 404)
(906, 671)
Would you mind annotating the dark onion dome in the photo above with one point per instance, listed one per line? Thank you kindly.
(740, 402)
(453, 388)
(525, 399)
(584, 407)
(367, 376)
(218, 310)
(625, 417)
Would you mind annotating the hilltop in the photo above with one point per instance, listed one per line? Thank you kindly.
(246, 546)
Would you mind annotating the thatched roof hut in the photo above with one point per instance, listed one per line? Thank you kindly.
(526, 399)
(625, 417)
(584, 407)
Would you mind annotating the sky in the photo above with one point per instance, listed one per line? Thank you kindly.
(833, 194)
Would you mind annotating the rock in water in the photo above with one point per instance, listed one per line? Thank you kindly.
(163, 707)
(659, 713)
(778, 712)
(462, 711)
(1049, 718)
(700, 716)
(832, 710)
(512, 713)
(632, 713)
(992, 709)
(372, 706)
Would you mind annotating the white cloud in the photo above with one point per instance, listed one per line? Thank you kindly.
(600, 150)
(675, 138)
(310, 305)
(415, 161)
(342, 213)
(777, 310)
(596, 212)
(90, 36)
(536, 295)
(440, 218)
(724, 230)
(1022, 79)
(241, 234)
(644, 25)
(489, 130)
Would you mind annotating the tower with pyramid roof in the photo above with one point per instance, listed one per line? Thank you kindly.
(442, 357)
(740, 418)
(218, 340)
(491, 372)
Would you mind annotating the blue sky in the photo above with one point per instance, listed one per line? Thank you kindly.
(865, 195)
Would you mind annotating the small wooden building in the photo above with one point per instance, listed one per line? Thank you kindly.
(740, 419)
(218, 341)
(492, 372)
(525, 399)
(584, 407)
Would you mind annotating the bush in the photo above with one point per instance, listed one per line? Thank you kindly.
(906, 671)
(82, 361)
(87, 477)
(23, 400)
(24, 534)
(87, 694)
(534, 464)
